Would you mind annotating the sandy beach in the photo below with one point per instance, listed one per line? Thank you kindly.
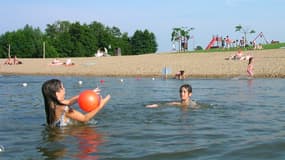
(268, 63)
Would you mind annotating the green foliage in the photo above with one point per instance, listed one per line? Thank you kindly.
(143, 42)
(198, 48)
(25, 42)
(181, 36)
(273, 46)
(244, 31)
(65, 39)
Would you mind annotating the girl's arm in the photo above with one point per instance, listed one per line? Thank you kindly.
(74, 99)
(70, 101)
(152, 106)
(158, 105)
(76, 115)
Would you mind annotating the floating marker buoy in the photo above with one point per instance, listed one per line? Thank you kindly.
(25, 84)
(80, 82)
(2, 149)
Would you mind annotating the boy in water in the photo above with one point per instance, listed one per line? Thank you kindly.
(185, 98)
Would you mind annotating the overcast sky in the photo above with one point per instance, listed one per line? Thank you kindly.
(208, 17)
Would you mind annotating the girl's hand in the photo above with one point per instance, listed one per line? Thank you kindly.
(97, 90)
(152, 106)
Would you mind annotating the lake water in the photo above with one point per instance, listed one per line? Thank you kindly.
(237, 119)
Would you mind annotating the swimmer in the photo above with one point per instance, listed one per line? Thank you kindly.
(250, 67)
(57, 108)
(185, 92)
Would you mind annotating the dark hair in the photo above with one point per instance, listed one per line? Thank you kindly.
(187, 86)
(249, 60)
(49, 89)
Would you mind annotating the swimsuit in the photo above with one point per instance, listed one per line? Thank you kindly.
(62, 121)
(250, 70)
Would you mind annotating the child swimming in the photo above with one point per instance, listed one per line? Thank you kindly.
(185, 92)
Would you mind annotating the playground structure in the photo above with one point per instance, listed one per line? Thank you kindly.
(214, 40)
(261, 35)
(227, 42)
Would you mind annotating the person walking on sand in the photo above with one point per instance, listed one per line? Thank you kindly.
(250, 67)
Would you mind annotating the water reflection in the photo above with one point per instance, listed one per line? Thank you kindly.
(51, 146)
(82, 140)
(249, 83)
(88, 142)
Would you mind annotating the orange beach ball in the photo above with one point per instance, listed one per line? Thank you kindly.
(88, 100)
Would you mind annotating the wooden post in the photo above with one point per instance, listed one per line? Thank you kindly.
(44, 50)
(9, 54)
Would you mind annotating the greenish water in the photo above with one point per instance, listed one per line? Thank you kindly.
(238, 119)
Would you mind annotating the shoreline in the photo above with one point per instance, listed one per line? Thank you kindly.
(268, 64)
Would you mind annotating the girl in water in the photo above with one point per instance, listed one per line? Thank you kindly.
(250, 67)
(57, 108)
(185, 92)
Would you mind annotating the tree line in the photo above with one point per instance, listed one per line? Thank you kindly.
(66, 39)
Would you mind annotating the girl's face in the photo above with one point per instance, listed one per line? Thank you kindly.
(184, 94)
(61, 93)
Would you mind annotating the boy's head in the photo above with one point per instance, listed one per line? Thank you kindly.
(185, 91)
(187, 87)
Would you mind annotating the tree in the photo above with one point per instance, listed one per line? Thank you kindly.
(65, 39)
(143, 42)
(58, 36)
(25, 43)
(182, 36)
(244, 30)
(198, 48)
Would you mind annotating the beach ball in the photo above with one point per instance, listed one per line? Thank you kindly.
(88, 100)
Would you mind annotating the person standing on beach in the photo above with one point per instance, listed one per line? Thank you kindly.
(57, 108)
(250, 67)
(185, 92)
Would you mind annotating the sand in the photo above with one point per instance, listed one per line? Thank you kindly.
(268, 63)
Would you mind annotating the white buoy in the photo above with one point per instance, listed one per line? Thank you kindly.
(153, 78)
(2, 149)
(25, 84)
(122, 80)
(80, 82)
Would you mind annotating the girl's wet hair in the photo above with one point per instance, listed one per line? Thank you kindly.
(187, 86)
(49, 89)
(249, 60)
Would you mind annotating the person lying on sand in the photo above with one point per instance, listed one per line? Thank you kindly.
(239, 56)
(69, 63)
(16, 61)
(56, 62)
(9, 61)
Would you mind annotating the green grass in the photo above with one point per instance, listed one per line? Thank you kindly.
(273, 46)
